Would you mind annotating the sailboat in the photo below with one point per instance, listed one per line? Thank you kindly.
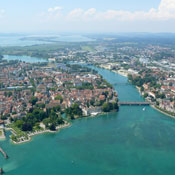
(144, 109)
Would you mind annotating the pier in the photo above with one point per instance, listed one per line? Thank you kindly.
(4, 153)
(134, 103)
(1, 171)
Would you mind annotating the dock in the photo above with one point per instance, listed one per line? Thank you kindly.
(4, 153)
(134, 103)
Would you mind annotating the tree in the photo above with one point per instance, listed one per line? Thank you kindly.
(59, 97)
(57, 108)
(145, 95)
(46, 122)
(8, 94)
(74, 110)
(26, 127)
(92, 101)
(41, 105)
(157, 103)
(142, 89)
(107, 107)
(13, 137)
(19, 124)
(52, 127)
(115, 106)
(33, 100)
(4, 117)
(77, 110)
(60, 120)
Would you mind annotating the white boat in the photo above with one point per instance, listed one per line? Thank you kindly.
(144, 109)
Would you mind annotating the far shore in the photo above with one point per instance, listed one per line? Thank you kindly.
(125, 75)
(169, 115)
(120, 72)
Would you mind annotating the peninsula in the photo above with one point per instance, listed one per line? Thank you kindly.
(45, 97)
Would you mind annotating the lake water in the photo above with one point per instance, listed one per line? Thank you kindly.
(130, 142)
(18, 40)
(27, 59)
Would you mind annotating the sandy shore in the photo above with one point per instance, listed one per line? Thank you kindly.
(120, 73)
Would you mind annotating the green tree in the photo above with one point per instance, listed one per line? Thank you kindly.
(52, 127)
(107, 107)
(33, 100)
(59, 97)
(19, 124)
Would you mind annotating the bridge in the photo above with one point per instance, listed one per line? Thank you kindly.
(134, 103)
(120, 84)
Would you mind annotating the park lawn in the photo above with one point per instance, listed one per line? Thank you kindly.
(18, 132)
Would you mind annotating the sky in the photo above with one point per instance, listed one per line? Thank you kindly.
(91, 16)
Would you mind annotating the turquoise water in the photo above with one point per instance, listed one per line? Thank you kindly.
(130, 142)
(27, 59)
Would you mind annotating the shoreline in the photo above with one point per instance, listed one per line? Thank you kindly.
(2, 137)
(154, 107)
(115, 71)
(120, 73)
(30, 135)
(169, 115)
(39, 132)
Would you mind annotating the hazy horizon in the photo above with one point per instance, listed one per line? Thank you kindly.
(112, 16)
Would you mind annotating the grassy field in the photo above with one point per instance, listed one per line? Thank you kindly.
(87, 48)
(18, 132)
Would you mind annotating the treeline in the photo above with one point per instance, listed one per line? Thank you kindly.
(50, 118)
(85, 85)
(108, 107)
(103, 84)
(74, 112)
(74, 68)
(139, 81)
